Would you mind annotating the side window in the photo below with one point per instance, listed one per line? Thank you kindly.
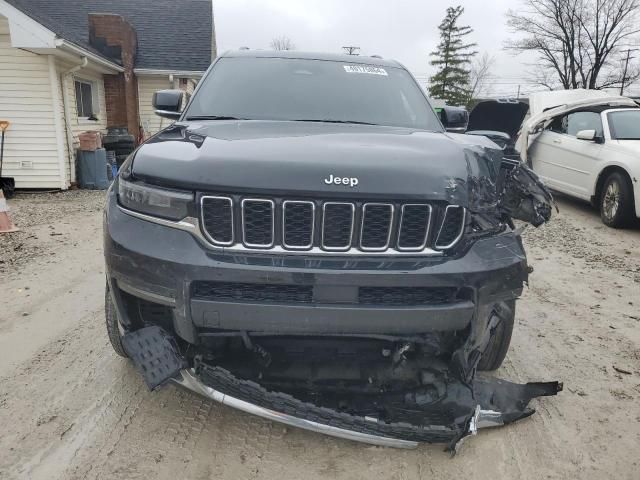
(584, 121)
(85, 93)
(559, 125)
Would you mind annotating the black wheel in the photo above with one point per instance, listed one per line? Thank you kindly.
(616, 201)
(113, 329)
(498, 346)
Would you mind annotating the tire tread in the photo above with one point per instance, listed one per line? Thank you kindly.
(498, 347)
(111, 318)
(626, 211)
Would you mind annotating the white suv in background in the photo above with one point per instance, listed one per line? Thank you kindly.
(586, 144)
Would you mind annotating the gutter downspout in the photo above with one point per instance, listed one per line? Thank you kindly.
(57, 120)
(67, 116)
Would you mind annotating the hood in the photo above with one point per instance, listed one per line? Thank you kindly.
(504, 116)
(272, 157)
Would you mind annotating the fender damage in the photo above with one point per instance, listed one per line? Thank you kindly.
(390, 390)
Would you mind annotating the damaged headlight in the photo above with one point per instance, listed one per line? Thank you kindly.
(485, 223)
(154, 201)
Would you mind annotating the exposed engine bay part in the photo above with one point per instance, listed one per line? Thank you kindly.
(525, 197)
(500, 189)
(415, 399)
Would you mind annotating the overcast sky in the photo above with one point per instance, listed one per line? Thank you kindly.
(405, 30)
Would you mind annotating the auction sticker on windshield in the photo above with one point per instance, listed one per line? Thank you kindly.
(371, 70)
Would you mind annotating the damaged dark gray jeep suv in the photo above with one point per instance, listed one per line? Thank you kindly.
(307, 243)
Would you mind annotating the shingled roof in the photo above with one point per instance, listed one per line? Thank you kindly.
(172, 34)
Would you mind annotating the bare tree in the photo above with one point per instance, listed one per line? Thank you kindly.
(577, 40)
(479, 75)
(282, 43)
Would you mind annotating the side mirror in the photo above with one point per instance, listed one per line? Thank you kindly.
(589, 135)
(168, 103)
(454, 119)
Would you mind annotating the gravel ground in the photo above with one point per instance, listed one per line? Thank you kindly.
(40, 216)
(71, 409)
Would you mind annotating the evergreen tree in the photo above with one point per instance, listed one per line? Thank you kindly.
(452, 59)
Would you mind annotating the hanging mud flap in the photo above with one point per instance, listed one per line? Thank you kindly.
(154, 354)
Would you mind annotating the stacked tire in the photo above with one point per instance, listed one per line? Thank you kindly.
(119, 141)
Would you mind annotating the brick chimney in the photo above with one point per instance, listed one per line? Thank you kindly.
(115, 38)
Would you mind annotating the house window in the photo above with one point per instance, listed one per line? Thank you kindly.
(85, 98)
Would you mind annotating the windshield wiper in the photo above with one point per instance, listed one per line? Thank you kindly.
(214, 117)
(327, 120)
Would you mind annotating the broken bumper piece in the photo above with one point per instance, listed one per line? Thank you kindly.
(457, 411)
(219, 385)
(190, 381)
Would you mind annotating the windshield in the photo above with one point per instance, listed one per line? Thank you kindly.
(625, 125)
(312, 90)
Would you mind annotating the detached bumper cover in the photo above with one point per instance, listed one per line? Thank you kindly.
(486, 402)
(512, 400)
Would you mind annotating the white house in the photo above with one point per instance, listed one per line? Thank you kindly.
(68, 67)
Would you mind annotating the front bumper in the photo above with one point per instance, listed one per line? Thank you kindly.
(161, 265)
(190, 381)
(461, 410)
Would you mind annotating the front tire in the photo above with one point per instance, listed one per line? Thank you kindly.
(498, 346)
(616, 201)
(113, 328)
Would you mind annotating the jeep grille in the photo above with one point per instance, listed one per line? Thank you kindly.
(317, 226)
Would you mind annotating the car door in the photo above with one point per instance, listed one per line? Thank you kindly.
(564, 162)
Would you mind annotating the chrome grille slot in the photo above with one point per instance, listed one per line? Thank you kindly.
(451, 228)
(337, 225)
(258, 222)
(298, 218)
(415, 221)
(375, 229)
(217, 219)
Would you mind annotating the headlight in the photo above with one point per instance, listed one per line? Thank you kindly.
(154, 201)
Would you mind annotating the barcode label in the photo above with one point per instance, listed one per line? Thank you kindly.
(371, 70)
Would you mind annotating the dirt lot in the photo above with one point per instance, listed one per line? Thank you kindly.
(69, 408)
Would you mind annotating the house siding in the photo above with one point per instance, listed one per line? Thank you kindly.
(31, 148)
(147, 86)
(76, 125)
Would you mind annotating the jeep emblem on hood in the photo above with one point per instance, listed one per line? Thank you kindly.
(351, 181)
